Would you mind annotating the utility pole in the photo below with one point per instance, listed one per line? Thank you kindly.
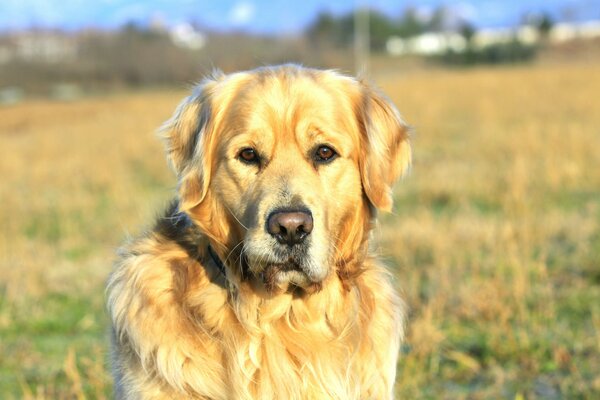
(361, 37)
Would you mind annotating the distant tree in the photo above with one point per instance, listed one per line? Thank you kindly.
(544, 25)
(437, 22)
(410, 24)
(323, 30)
(345, 32)
(130, 26)
(380, 28)
(328, 30)
(467, 31)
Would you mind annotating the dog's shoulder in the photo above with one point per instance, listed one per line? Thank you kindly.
(176, 227)
(173, 230)
(165, 258)
(150, 308)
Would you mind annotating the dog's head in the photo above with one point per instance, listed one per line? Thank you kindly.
(284, 167)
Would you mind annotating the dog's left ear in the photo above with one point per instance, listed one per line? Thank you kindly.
(385, 151)
(187, 139)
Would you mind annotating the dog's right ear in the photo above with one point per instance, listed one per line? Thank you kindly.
(186, 136)
(386, 149)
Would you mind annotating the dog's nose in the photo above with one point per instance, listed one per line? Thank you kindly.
(290, 227)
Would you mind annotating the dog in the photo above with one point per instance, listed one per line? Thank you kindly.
(257, 282)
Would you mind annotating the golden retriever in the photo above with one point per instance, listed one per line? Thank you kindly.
(257, 282)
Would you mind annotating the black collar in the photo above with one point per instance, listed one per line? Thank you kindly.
(216, 260)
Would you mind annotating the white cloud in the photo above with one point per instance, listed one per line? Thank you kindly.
(241, 13)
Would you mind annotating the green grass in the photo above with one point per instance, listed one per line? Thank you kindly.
(36, 343)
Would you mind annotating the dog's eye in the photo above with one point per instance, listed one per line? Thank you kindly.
(325, 154)
(248, 155)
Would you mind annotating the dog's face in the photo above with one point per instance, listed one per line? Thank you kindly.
(283, 167)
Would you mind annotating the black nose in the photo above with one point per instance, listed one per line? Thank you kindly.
(290, 227)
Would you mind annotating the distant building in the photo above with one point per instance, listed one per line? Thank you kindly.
(426, 44)
(431, 43)
(38, 46)
(564, 32)
(185, 35)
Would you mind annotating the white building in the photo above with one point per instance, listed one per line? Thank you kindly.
(185, 35)
(438, 43)
(426, 44)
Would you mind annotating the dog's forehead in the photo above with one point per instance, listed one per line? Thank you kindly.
(296, 101)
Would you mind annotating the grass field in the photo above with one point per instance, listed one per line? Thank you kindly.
(495, 235)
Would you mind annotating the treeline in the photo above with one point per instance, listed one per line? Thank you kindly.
(328, 30)
(141, 56)
(137, 56)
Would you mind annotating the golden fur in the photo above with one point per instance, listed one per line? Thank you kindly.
(328, 329)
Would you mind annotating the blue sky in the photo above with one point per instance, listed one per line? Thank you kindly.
(263, 16)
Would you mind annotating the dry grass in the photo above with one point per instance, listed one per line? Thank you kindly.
(496, 232)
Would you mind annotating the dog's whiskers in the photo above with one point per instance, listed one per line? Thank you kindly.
(236, 218)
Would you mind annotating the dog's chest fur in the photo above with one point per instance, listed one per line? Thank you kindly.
(179, 331)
